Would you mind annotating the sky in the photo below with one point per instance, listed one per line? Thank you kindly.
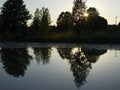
(108, 9)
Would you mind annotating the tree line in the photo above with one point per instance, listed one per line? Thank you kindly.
(14, 17)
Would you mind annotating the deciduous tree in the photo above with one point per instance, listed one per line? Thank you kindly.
(97, 23)
(41, 21)
(36, 21)
(78, 12)
(92, 11)
(79, 9)
(65, 22)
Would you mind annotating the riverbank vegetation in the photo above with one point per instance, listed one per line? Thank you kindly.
(82, 25)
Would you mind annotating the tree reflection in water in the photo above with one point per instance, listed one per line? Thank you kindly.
(80, 62)
(15, 60)
(65, 53)
(42, 54)
(93, 54)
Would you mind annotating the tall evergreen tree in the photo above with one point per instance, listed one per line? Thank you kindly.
(14, 17)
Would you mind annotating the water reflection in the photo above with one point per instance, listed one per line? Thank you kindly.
(15, 60)
(93, 55)
(65, 53)
(42, 54)
(80, 61)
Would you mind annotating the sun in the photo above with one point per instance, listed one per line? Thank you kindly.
(86, 14)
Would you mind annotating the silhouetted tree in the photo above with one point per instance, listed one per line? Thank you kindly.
(15, 60)
(14, 16)
(92, 12)
(0, 21)
(112, 28)
(36, 21)
(94, 21)
(79, 64)
(97, 23)
(41, 21)
(80, 60)
(65, 22)
(79, 9)
(94, 56)
(42, 54)
(80, 67)
(119, 24)
(45, 19)
(65, 53)
(78, 12)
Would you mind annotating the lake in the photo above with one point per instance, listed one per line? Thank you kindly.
(54, 66)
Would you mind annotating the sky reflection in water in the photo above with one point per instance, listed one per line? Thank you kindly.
(59, 67)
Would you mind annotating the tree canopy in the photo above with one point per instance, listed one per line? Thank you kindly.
(36, 20)
(65, 21)
(41, 21)
(97, 23)
(94, 21)
(119, 24)
(14, 17)
(78, 12)
(15, 60)
(79, 9)
(92, 11)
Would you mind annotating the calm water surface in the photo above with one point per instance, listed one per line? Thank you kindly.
(35, 66)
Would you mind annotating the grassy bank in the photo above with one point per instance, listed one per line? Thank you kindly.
(94, 37)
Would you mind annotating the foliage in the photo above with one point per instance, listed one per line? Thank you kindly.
(78, 12)
(36, 21)
(119, 24)
(42, 54)
(0, 21)
(94, 21)
(41, 21)
(14, 17)
(94, 56)
(113, 28)
(45, 19)
(15, 60)
(97, 23)
(79, 9)
(92, 12)
(79, 65)
(65, 22)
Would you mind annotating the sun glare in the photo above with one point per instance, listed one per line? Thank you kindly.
(86, 14)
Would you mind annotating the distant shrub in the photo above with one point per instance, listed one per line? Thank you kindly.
(113, 28)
